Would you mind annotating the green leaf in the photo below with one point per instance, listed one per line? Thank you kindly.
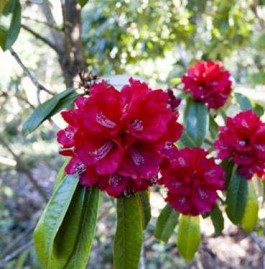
(144, 205)
(186, 140)
(243, 101)
(60, 176)
(258, 109)
(250, 217)
(48, 109)
(189, 236)
(73, 241)
(52, 218)
(128, 237)
(13, 7)
(196, 120)
(213, 127)
(2, 6)
(166, 223)
(217, 220)
(236, 197)
(82, 2)
(3, 35)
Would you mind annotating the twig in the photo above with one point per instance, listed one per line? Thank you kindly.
(25, 170)
(43, 39)
(27, 72)
(259, 242)
(15, 241)
(43, 22)
(15, 253)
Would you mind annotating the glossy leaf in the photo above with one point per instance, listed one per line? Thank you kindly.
(82, 3)
(243, 101)
(144, 205)
(217, 220)
(48, 109)
(186, 141)
(166, 223)
(73, 241)
(250, 217)
(196, 120)
(189, 236)
(213, 127)
(52, 219)
(128, 237)
(60, 175)
(13, 8)
(236, 197)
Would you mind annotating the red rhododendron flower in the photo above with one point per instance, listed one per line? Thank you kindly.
(192, 180)
(208, 82)
(117, 140)
(243, 140)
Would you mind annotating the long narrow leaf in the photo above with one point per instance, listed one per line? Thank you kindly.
(73, 241)
(236, 199)
(189, 236)
(166, 223)
(52, 218)
(196, 120)
(128, 237)
(46, 110)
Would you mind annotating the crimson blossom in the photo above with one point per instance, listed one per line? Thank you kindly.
(117, 140)
(242, 139)
(192, 180)
(209, 83)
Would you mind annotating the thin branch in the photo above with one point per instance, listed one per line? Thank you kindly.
(16, 240)
(55, 27)
(27, 72)
(15, 253)
(43, 39)
(259, 242)
(25, 170)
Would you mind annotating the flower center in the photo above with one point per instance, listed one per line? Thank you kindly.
(115, 180)
(137, 125)
(138, 159)
(104, 121)
(101, 152)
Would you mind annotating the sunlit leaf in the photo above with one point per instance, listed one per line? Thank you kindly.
(250, 216)
(189, 236)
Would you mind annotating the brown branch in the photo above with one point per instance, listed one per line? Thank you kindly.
(25, 170)
(43, 39)
(27, 72)
(55, 27)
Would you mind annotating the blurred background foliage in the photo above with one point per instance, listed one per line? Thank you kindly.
(154, 39)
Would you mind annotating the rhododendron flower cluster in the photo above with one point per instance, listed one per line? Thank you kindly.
(242, 139)
(192, 180)
(209, 83)
(117, 140)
